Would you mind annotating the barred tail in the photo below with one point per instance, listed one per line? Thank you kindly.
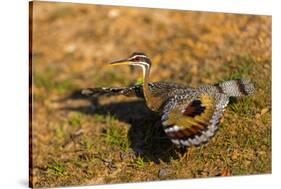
(112, 91)
(237, 87)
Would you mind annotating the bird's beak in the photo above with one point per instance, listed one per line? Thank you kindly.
(121, 62)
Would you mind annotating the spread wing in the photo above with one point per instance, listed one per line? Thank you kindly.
(194, 122)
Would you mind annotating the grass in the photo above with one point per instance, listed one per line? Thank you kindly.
(75, 119)
(47, 81)
(79, 140)
(115, 135)
(244, 107)
(140, 162)
(56, 168)
(241, 65)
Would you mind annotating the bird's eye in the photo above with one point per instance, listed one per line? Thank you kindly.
(137, 58)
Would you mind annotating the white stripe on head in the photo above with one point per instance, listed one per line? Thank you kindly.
(143, 56)
(143, 65)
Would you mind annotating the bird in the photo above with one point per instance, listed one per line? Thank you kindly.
(189, 116)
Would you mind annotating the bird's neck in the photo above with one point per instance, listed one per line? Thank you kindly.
(151, 101)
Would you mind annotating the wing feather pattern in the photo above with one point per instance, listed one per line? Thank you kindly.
(194, 122)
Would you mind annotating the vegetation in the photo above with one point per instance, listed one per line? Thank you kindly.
(77, 140)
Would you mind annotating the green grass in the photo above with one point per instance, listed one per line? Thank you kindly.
(47, 81)
(241, 67)
(244, 107)
(56, 168)
(75, 119)
(115, 135)
(140, 162)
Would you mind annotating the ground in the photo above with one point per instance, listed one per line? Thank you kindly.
(78, 140)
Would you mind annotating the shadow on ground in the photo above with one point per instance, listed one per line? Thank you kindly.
(146, 136)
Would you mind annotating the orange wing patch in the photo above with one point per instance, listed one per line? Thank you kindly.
(192, 120)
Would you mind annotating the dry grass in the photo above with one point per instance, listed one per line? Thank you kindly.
(111, 140)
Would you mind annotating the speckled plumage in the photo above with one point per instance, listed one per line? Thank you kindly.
(190, 116)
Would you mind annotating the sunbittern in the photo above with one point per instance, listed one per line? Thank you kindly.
(190, 116)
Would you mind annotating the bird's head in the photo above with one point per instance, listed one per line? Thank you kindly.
(136, 59)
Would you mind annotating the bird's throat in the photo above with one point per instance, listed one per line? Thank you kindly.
(152, 102)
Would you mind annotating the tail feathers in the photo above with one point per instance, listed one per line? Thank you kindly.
(236, 88)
